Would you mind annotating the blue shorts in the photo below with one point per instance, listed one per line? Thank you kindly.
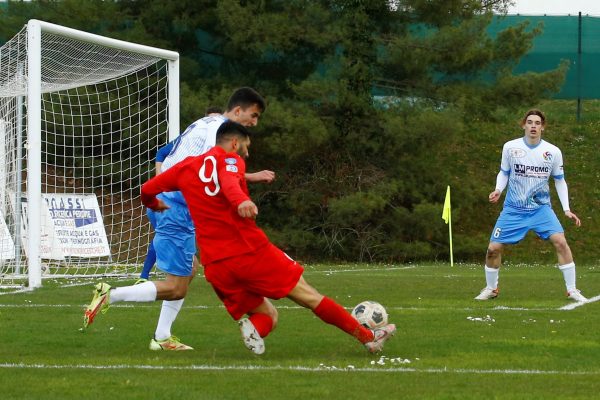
(174, 239)
(512, 224)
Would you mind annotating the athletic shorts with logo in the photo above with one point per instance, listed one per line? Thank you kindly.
(242, 282)
(513, 224)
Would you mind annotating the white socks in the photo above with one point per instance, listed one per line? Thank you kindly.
(491, 277)
(568, 271)
(146, 292)
(143, 292)
(168, 313)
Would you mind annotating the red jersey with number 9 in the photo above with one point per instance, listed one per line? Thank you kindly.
(213, 185)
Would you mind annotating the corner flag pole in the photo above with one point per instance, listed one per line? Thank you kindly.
(447, 217)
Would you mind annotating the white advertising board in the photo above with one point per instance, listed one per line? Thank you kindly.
(78, 225)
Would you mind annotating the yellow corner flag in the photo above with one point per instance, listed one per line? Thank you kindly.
(447, 217)
(446, 211)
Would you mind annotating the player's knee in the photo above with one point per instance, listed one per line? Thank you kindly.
(493, 252)
(177, 292)
(561, 246)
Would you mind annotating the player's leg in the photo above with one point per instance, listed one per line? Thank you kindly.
(163, 339)
(547, 226)
(493, 259)
(511, 227)
(149, 262)
(174, 258)
(332, 313)
(172, 288)
(260, 322)
(328, 310)
(238, 300)
(175, 252)
(567, 266)
(264, 318)
(150, 259)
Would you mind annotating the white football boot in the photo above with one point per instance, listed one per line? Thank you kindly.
(576, 296)
(487, 294)
(380, 336)
(252, 339)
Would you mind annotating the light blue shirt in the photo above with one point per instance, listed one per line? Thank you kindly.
(529, 168)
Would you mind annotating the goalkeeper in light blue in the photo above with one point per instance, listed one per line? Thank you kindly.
(527, 165)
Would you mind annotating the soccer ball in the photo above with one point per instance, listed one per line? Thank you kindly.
(370, 314)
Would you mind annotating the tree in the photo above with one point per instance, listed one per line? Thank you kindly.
(367, 100)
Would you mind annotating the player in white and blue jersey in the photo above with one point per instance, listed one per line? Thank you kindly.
(527, 165)
(174, 240)
(161, 155)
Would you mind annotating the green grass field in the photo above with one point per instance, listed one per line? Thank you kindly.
(519, 346)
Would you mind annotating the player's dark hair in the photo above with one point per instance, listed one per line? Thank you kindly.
(534, 111)
(213, 110)
(229, 130)
(246, 97)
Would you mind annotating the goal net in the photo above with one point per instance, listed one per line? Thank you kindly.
(81, 118)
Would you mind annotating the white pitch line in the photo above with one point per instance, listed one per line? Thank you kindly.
(23, 290)
(573, 306)
(195, 367)
(334, 271)
(282, 307)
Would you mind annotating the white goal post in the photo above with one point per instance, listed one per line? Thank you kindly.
(81, 117)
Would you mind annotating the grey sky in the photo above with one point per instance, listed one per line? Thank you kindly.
(556, 7)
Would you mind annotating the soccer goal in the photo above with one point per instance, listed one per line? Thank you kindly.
(81, 117)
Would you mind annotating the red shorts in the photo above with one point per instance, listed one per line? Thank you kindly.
(242, 282)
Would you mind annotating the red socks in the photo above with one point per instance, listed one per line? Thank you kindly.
(332, 313)
(263, 324)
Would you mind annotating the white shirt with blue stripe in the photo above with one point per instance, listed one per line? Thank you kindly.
(197, 139)
(528, 169)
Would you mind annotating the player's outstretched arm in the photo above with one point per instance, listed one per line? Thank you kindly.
(264, 176)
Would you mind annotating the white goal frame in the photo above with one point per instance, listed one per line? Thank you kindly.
(35, 29)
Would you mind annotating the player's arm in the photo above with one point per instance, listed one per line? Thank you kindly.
(165, 182)
(561, 187)
(563, 195)
(231, 177)
(264, 176)
(161, 154)
(501, 182)
(502, 177)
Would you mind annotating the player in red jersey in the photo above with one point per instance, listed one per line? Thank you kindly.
(240, 262)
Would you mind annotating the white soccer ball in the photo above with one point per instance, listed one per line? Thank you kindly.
(370, 314)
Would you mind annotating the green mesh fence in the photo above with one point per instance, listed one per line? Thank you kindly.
(560, 40)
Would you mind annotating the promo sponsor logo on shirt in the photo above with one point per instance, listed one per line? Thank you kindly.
(531, 170)
(548, 156)
(230, 161)
(517, 153)
(231, 168)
